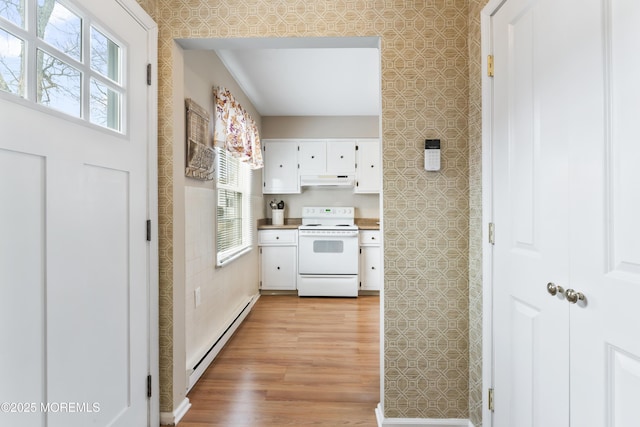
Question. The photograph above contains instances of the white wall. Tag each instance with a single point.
(223, 290)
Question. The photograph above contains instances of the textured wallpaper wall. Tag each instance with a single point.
(425, 91)
(475, 213)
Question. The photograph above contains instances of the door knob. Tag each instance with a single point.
(573, 296)
(553, 289)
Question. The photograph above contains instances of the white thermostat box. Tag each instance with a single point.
(432, 154)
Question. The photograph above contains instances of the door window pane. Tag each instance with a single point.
(13, 11)
(11, 64)
(105, 106)
(58, 84)
(105, 56)
(60, 27)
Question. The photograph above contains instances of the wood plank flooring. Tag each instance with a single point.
(295, 362)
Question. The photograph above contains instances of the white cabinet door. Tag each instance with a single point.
(278, 267)
(313, 157)
(370, 270)
(280, 173)
(334, 157)
(368, 171)
(341, 156)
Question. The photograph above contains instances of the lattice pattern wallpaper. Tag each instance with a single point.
(425, 91)
(475, 213)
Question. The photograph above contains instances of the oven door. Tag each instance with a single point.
(324, 253)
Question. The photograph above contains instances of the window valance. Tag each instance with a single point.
(235, 130)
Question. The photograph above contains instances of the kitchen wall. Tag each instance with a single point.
(223, 290)
(425, 94)
(367, 205)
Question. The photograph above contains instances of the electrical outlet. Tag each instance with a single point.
(197, 296)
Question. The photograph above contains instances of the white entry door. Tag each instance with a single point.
(74, 200)
(566, 185)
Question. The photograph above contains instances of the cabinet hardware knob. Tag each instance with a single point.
(342, 157)
(373, 268)
(371, 165)
(280, 165)
(553, 289)
(277, 237)
(573, 296)
(313, 157)
(278, 268)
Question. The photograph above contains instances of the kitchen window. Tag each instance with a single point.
(234, 221)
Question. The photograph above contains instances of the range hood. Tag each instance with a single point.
(327, 180)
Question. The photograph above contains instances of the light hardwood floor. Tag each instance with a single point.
(295, 362)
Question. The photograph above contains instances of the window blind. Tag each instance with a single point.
(234, 231)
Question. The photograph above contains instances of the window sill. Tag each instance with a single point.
(232, 257)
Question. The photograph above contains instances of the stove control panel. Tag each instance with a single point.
(331, 212)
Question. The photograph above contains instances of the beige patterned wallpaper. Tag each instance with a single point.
(475, 214)
(425, 91)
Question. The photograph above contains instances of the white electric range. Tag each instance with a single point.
(328, 252)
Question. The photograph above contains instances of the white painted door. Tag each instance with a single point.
(74, 309)
(605, 234)
(531, 248)
(566, 204)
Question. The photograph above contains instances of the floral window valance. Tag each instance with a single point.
(235, 130)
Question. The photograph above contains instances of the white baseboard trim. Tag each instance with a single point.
(173, 418)
(420, 422)
(202, 366)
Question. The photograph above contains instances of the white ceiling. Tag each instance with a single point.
(303, 76)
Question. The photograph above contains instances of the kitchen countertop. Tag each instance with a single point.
(293, 223)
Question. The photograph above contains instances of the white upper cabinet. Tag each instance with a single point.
(336, 156)
(280, 173)
(341, 156)
(368, 166)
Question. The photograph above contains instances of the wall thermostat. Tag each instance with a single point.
(432, 154)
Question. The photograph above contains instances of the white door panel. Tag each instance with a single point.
(567, 200)
(73, 255)
(531, 250)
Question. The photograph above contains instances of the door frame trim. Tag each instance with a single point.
(142, 17)
(486, 37)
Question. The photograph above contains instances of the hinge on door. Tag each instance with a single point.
(492, 233)
(490, 400)
(148, 74)
(149, 386)
(490, 65)
(148, 230)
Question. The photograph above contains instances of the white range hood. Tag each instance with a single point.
(327, 180)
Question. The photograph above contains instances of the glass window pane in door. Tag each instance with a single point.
(11, 64)
(105, 56)
(60, 28)
(13, 11)
(105, 106)
(59, 85)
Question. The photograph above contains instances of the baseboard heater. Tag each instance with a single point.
(210, 355)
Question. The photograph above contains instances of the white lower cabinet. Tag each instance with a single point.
(370, 260)
(278, 259)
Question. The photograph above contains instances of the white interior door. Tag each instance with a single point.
(531, 333)
(566, 208)
(605, 328)
(74, 310)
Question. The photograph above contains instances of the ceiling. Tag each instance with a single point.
(328, 76)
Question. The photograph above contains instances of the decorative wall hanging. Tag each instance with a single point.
(199, 149)
(235, 130)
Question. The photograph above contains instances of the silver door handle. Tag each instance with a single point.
(554, 289)
(573, 296)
